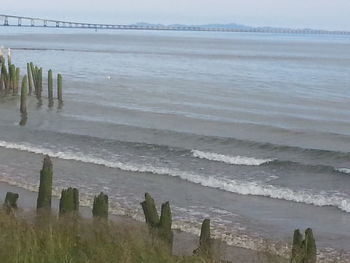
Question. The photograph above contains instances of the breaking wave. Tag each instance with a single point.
(235, 160)
(343, 170)
(230, 185)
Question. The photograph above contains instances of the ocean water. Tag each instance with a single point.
(250, 130)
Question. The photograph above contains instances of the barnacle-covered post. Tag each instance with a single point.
(24, 92)
(45, 188)
(69, 202)
(100, 206)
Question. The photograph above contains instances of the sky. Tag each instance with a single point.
(318, 14)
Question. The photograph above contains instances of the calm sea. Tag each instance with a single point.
(251, 130)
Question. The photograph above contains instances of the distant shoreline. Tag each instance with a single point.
(32, 22)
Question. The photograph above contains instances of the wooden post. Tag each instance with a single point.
(69, 202)
(34, 77)
(12, 73)
(5, 77)
(303, 250)
(11, 201)
(17, 80)
(50, 87)
(40, 82)
(165, 223)
(59, 88)
(100, 206)
(310, 247)
(45, 188)
(150, 211)
(24, 92)
(205, 241)
(297, 251)
(30, 79)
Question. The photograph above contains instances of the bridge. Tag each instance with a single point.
(22, 21)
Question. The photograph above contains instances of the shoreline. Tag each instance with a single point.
(184, 243)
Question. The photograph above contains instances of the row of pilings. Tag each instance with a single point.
(12, 83)
(160, 227)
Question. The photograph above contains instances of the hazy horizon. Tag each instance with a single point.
(322, 14)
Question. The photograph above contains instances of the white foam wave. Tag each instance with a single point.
(230, 185)
(235, 160)
(343, 170)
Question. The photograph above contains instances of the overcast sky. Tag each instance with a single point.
(325, 14)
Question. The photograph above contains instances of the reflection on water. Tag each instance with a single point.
(24, 118)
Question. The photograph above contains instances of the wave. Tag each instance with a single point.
(229, 185)
(235, 160)
(343, 170)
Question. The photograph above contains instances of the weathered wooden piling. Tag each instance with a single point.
(36, 73)
(12, 79)
(150, 211)
(24, 92)
(69, 202)
(45, 188)
(5, 77)
(17, 80)
(30, 79)
(2, 86)
(10, 203)
(205, 241)
(100, 206)
(297, 249)
(158, 226)
(9, 57)
(165, 232)
(50, 87)
(303, 250)
(59, 88)
(40, 81)
(34, 77)
(310, 247)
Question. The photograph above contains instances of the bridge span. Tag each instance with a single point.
(22, 21)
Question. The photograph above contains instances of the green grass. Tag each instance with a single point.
(42, 240)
